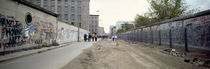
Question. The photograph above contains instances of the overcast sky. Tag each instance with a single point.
(111, 11)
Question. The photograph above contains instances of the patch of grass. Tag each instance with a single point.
(45, 44)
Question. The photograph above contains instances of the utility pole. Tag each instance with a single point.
(78, 33)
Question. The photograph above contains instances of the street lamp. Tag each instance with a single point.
(78, 32)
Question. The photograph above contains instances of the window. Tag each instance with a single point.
(59, 9)
(66, 2)
(72, 17)
(53, 8)
(38, 2)
(59, 17)
(59, 2)
(31, 1)
(45, 1)
(66, 8)
(72, 2)
(79, 2)
(45, 7)
(52, 2)
(66, 17)
(79, 9)
(72, 9)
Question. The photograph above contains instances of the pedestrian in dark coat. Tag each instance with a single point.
(85, 37)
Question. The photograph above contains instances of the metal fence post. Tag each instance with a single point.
(159, 37)
(186, 40)
(141, 35)
(152, 36)
(170, 39)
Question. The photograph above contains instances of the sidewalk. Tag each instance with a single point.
(20, 54)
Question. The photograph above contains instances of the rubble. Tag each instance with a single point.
(174, 53)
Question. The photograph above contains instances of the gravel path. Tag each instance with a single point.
(106, 55)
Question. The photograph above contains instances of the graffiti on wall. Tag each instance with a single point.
(177, 32)
(199, 29)
(45, 31)
(14, 34)
(66, 35)
(198, 33)
(10, 32)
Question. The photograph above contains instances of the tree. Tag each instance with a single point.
(120, 31)
(144, 20)
(125, 27)
(166, 9)
(162, 10)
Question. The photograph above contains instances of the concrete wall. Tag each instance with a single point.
(192, 31)
(16, 34)
(68, 33)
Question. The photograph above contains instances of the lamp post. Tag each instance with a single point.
(78, 32)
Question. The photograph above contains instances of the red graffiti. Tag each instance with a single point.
(47, 27)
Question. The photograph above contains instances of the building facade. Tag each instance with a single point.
(101, 31)
(75, 12)
(93, 23)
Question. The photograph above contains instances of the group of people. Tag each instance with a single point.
(114, 38)
(88, 37)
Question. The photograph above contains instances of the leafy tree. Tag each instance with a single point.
(120, 31)
(162, 10)
(166, 9)
(144, 20)
(125, 27)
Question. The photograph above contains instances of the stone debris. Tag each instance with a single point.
(195, 61)
(174, 53)
(198, 62)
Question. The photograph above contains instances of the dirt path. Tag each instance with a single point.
(106, 55)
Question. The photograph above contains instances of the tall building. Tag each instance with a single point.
(93, 23)
(75, 12)
(120, 23)
(101, 31)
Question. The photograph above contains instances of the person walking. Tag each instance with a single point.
(89, 37)
(85, 37)
(95, 36)
(113, 38)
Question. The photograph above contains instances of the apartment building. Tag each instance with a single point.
(93, 23)
(75, 12)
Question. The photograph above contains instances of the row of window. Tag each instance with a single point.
(72, 9)
(94, 18)
(72, 17)
(67, 2)
(58, 2)
(59, 8)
